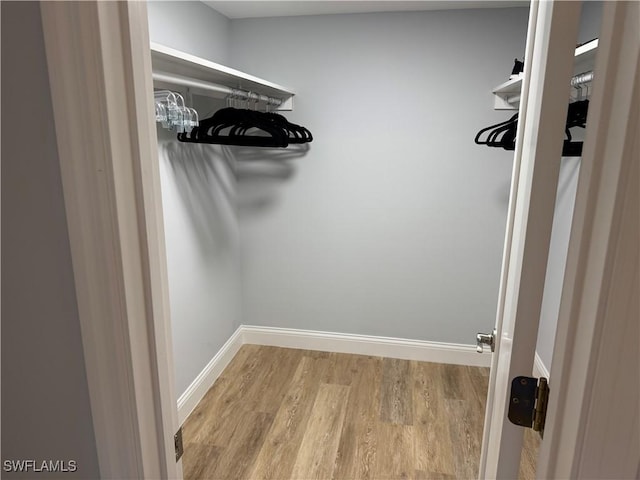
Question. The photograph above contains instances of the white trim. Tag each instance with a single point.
(400, 348)
(592, 418)
(205, 380)
(539, 368)
(100, 79)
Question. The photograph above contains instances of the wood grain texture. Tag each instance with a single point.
(205, 426)
(479, 383)
(529, 456)
(341, 369)
(317, 453)
(358, 445)
(199, 460)
(433, 449)
(278, 366)
(279, 413)
(453, 382)
(283, 440)
(465, 428)
(396, 399)
(422, 475)
(243, 447)
(395, 460)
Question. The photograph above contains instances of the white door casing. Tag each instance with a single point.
(100, 76)
(593, 421)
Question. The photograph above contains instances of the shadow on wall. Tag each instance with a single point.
(260, 174)
(217, 183)
(206, 183)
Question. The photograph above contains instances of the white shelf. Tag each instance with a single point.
(585, 57)
(507, 95)
(205, 77)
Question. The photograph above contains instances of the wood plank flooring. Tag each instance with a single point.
(278, 413)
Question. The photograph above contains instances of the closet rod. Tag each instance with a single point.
(213, 87)
(582, 78)
(576, 80)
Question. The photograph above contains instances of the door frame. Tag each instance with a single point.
(100, 76)
(102, 93)
(590, 391)
(599, 303)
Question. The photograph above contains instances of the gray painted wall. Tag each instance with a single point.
(393, 222)
(366, 233)
(190, 27)
(202, 238)
(590, 19)
(565, 200)
(45, 401)
(198, 197)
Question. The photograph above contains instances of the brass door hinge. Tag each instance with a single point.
(528, 402)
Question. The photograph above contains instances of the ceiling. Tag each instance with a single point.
(270, 8)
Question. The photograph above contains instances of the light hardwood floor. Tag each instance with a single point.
(278, 413)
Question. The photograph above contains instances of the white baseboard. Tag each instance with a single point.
(400, 348)
(207, 377)
(539, 368)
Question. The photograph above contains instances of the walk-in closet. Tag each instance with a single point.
(320, 239)
(326, 288)
(382, 236)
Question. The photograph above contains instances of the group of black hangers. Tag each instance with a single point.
(247, 128)
(504, 134)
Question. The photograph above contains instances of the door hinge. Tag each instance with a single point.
(177, 441)
(528, 402)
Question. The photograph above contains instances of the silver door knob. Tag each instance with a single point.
(488, 339)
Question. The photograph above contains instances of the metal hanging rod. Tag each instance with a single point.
(213, 87)
(582, 78)
(575, 81)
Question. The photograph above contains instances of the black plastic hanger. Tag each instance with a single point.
(295, 133)
(503, 135)
(242, 127)
(494, 139)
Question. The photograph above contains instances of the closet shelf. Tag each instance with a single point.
(175, 68)
(507, 94)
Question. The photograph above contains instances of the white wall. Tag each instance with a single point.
(393, 223)
(45, 399)
(190, 27)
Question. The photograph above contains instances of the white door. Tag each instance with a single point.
(548, 69)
